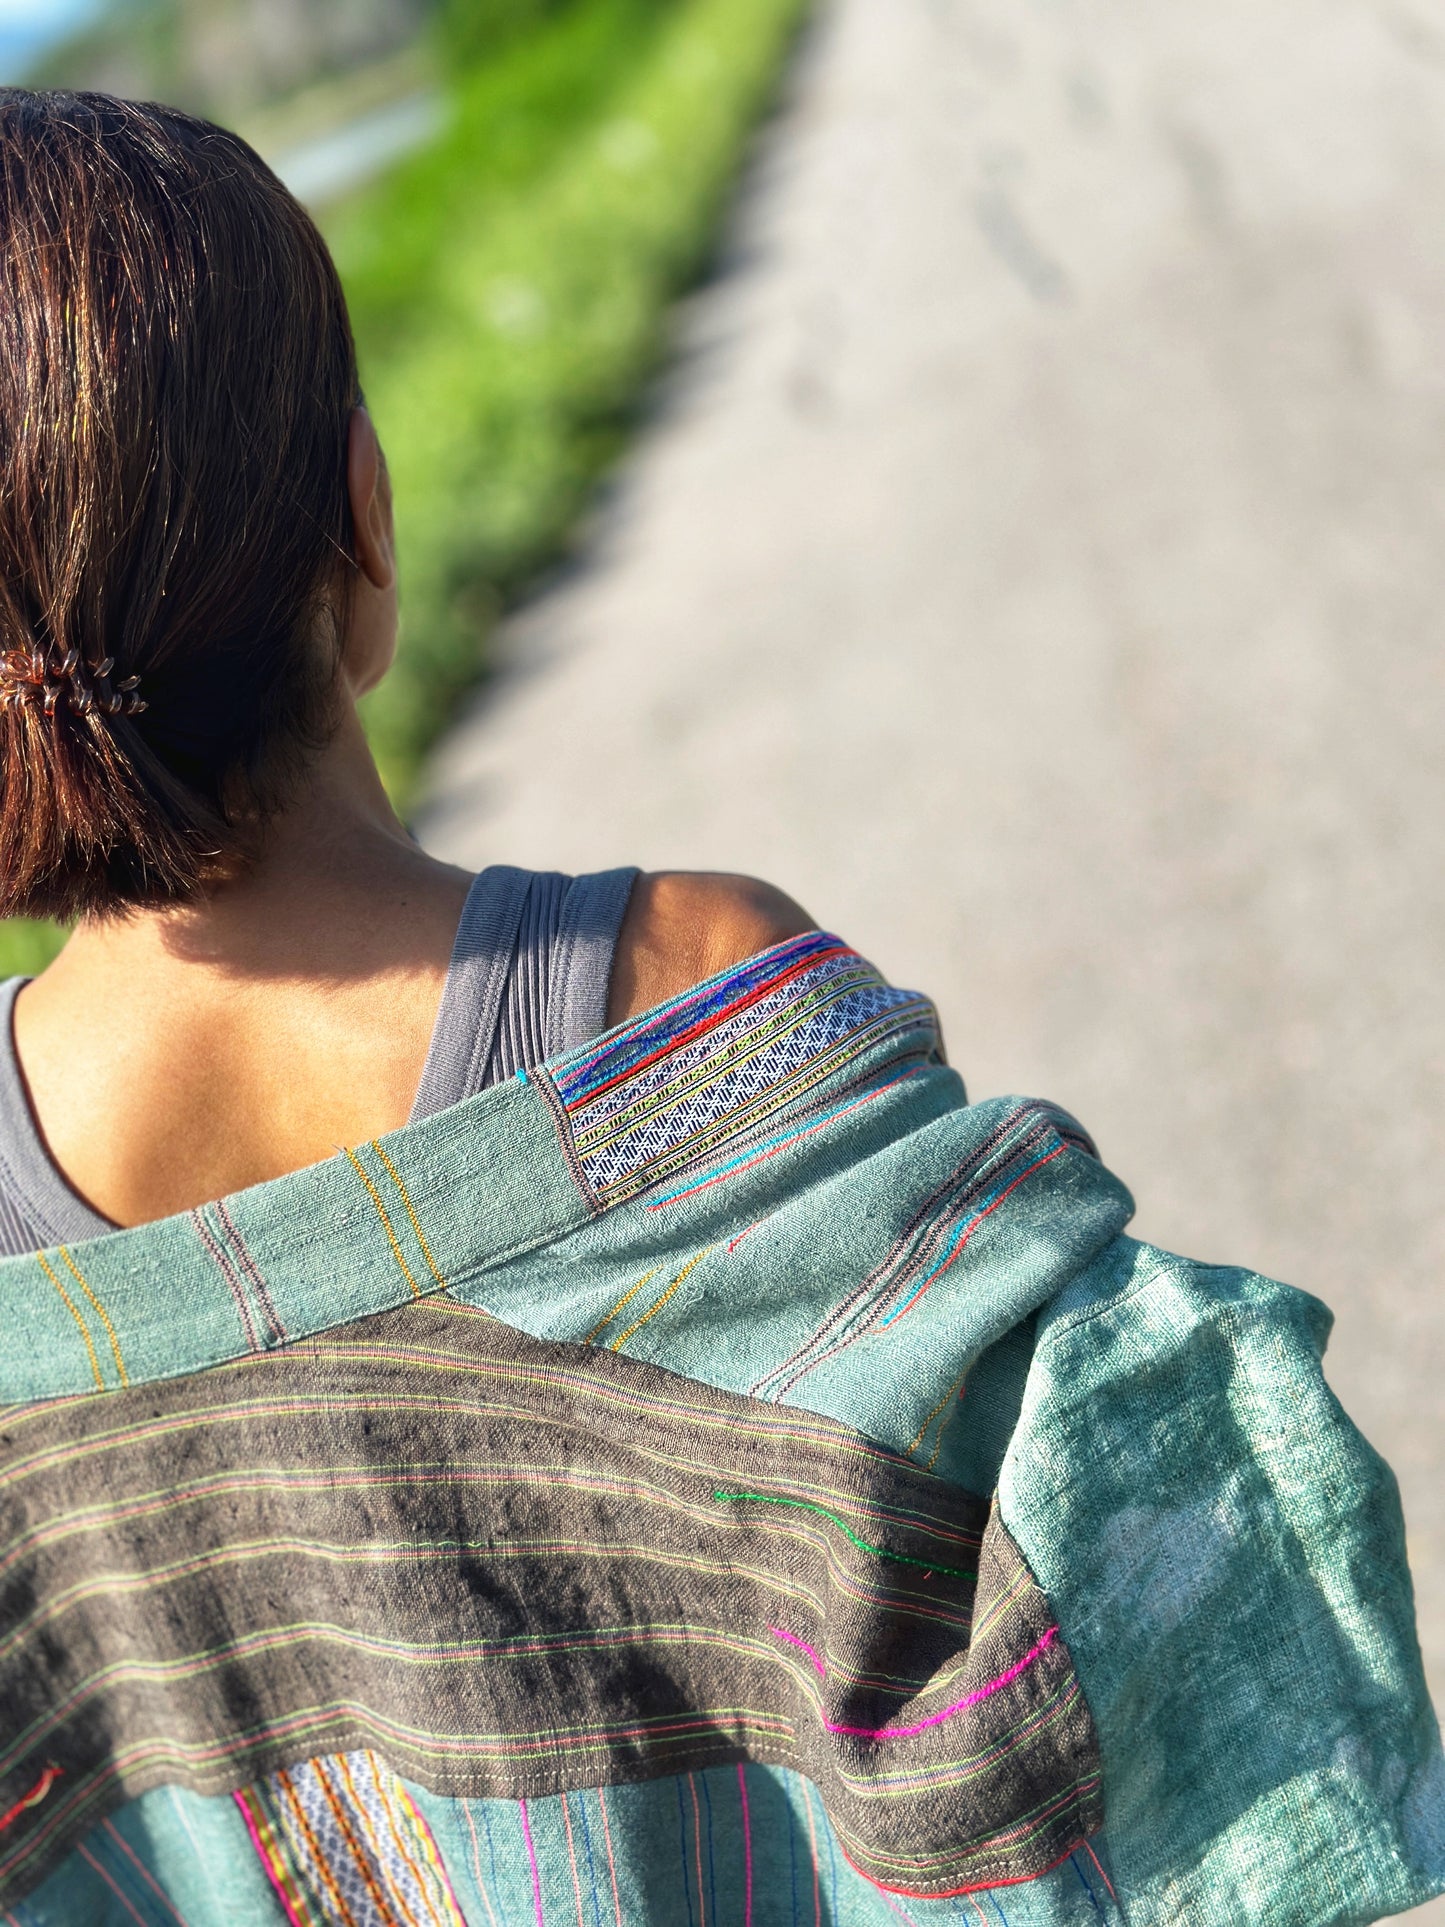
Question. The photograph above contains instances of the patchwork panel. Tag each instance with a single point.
(344, 1846)
(1029, 1136)
(511, 1568)
(717, 1066)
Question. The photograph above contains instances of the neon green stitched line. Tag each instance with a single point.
(879, 1552)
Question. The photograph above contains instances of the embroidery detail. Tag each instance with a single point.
(216, 1253)
(493, 1468)
(819, 1664)
(623, 1302)
(81, 1325)
(691, 1266)
(101, 1311)
(1029, 1136)
(344, 1846)
(32, 1799)
(975, 1698)
(252, 1270)
(391, 1238)
(951, 1400)
(863, 1545)
(719, 1064)
(772, 1146)
(395, 1177)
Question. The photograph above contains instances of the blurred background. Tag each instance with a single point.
(980, 463)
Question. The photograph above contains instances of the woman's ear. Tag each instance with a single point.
(369, 487)
(370, 642)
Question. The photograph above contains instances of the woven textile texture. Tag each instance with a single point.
(520, 1567)
(721, 1476)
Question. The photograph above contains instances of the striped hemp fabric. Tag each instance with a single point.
(721, 1476)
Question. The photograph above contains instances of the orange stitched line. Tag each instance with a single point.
(358, 1852)
(572, 1856)
(270, 1845)
(104, 1314)
(359, 1808)
(396, 1250)
(398, 1833)
(80, 1322)
(652, 1313)
(429, 1846)
(623, 1302)
(920, 1434)
(938, 1442)
(313, 1846)
(415, 1220)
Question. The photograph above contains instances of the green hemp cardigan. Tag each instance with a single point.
(722, 1476)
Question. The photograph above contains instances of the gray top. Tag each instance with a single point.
(528, 978)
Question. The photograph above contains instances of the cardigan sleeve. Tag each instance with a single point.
(1225, 1555)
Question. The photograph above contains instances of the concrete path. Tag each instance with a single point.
(1037, 565)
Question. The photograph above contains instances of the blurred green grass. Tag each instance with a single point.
(509, 288)
(510, 294)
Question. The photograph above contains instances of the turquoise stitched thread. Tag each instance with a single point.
(760, 1153)
(878, 1552)
(965, 1232)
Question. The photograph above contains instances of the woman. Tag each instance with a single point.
(678, 1461)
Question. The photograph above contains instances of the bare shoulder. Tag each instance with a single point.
(684, 925)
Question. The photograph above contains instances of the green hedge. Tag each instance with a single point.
(509, 289)
(540, 306)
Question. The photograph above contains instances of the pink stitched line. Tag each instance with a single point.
(793, 1640)
(743, 1234)
(89, 1858)
(611, 1863)
(894, 1908)
(265, 1858)
(536, 1870)
(988, 1211)
(1102, 1875)
(141, 1868)
(937, 1719)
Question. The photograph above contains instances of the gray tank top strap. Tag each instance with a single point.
(37, 1206)
(529, 975)
(528, 978)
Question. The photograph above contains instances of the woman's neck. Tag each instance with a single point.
(173, 1055)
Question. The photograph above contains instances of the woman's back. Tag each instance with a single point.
(583, 1419)
(530, 968)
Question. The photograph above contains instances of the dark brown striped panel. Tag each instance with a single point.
(513, 1568)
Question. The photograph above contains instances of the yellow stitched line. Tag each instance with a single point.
(690, 1266)
(932, 1459)
(623, 1302)
(421, 1831)
(922, 1433)
(84, 1329)
(395, 1176)
(396, 1250)
(104, 1315)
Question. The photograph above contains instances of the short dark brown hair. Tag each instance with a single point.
(177, 375)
